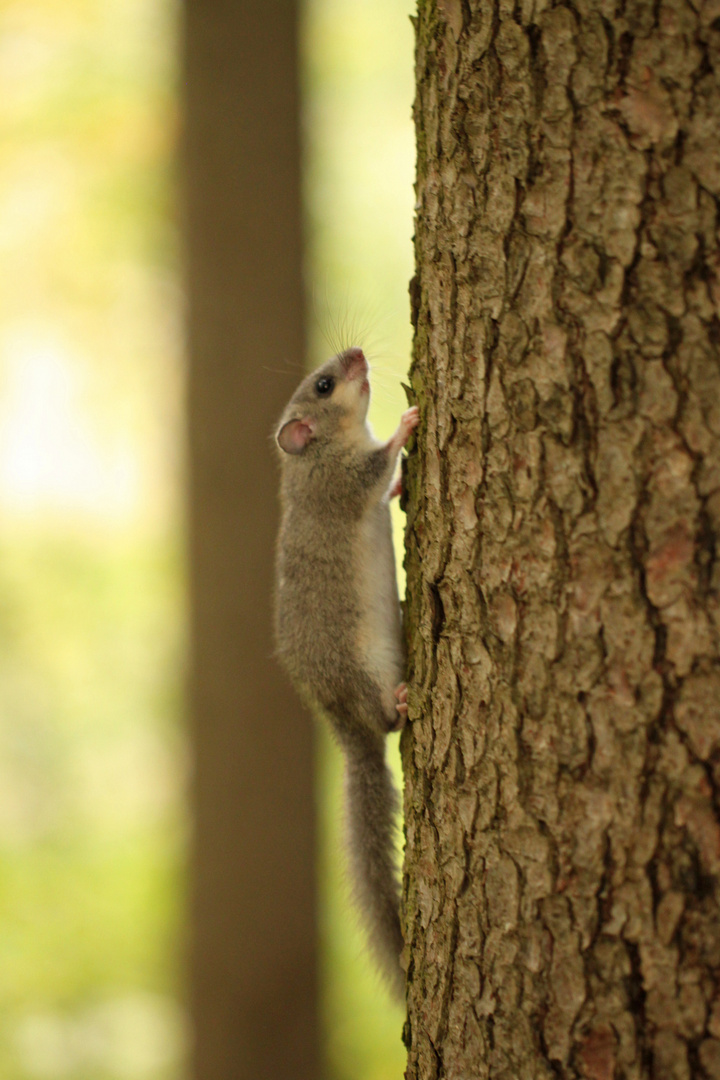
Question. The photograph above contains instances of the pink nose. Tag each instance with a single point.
(355, 363)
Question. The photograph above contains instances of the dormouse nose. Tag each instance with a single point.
(354, 362)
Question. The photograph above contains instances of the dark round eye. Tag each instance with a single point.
(325, 385)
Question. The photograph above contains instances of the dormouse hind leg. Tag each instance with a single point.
(400, 693)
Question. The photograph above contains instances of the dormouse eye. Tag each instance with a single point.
(325, 385)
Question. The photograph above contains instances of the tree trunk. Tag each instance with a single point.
(563, 760)
(252, 966)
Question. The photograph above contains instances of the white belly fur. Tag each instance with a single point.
(379, 640)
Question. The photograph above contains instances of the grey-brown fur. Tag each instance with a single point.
(337, 612)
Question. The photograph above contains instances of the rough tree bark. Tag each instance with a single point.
(563, 760)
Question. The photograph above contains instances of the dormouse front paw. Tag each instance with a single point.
(408, 422)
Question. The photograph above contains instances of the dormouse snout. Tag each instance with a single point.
(355, 364)
(356, 368)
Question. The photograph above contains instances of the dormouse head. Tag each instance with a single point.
(331, 403)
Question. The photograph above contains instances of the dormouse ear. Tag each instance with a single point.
(294, 436)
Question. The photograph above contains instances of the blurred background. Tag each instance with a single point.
(93, 756)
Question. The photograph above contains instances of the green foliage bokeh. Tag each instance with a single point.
(93, 759)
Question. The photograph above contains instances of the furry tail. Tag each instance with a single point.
(371, 805)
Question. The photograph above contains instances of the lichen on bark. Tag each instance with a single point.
(562, 875)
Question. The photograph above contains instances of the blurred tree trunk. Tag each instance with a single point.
(563, 763)
(252, 964)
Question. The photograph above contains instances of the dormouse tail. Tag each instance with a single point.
(371, 804)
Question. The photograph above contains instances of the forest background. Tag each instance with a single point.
(94, 763)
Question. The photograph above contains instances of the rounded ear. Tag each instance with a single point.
(294, 436)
